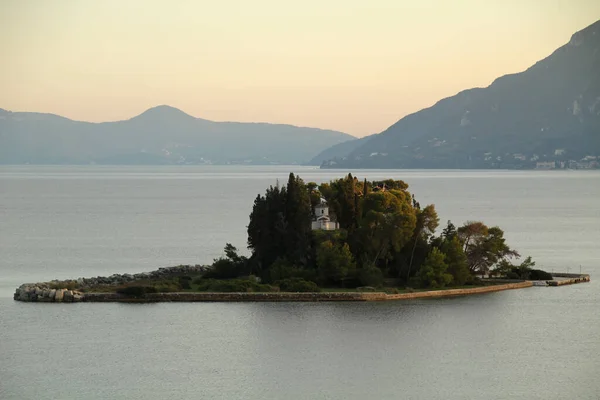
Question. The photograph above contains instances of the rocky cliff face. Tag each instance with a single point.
(550, 112)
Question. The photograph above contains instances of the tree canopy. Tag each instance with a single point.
(383, 234)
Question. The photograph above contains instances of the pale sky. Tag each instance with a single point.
(354, 66)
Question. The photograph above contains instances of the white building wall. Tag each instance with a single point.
(324, 225)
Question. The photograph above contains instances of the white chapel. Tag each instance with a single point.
(322, 220)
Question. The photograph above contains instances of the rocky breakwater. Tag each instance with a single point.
(69, 291)
(161, 273)
(44, 293)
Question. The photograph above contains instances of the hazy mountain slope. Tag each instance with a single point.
(552, 107)
(160, 135)
(338, 150)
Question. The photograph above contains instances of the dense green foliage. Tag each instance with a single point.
(539, 275)
(233, 285)
(334, 262)
(137, 290)
(384, 238)
(433, 271)
(228, 267)
(297, 285)
(523, 271)
(456, 260)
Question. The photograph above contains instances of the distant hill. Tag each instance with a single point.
(160, 135)
(550, 112)
(338, 150)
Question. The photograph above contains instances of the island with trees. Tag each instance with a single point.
(383, 238)
(340, 237)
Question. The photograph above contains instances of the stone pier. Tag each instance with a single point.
(49, 293)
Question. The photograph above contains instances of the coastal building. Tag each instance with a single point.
(322, 220)
(545, 165)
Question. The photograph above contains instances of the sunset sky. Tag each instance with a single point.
(354, 66)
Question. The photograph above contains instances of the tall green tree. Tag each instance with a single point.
(267, 228)
(456, 260)
(231, 266)
(509, 270)
(427, 222)
(298, 215)
(433, 273)
(391, 184)
(279, 226)
(449, 231)
(334, 262)
(314, 194)
(388, 225)
(483, 246)
(342, 195)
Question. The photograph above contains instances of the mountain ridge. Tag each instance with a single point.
(520, 119)
(159, 135)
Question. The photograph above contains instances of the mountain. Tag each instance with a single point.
(550, 112)
(338, 150)
(160, 135)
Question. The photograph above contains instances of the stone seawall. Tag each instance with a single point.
(569, 279)
(459, 292)
(44, 292)
(292, 297)
(303, 297)
(236, 297)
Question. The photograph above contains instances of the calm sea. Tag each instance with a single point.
(68, 222)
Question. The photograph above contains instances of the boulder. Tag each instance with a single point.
(60, 294)
(52, 294)
(68, 296)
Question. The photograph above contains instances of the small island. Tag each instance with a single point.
(345, 240)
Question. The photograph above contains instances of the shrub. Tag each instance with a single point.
(433, 273)
(334, 262)
(513, 275)
(351, 282)
(167, 287)
(366, 289)
(184, 282)
(231, 266)
(539, 275)
(370, 276)
(297, 285)
(282, 269)
(199, 280)
(223, 269)
(232, 285)
(473, 280)
(137, 290)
